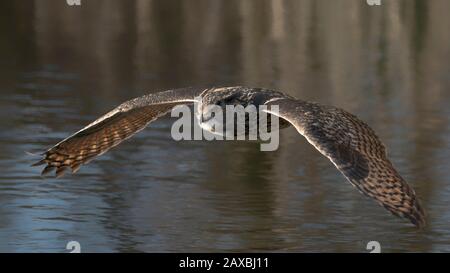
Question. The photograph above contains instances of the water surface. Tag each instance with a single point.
(61, 67)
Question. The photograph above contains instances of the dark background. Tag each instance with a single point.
(61, 67)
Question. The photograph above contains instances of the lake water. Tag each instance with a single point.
(61, 67)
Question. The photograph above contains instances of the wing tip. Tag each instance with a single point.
(418, 215)
(39, 163)
(56, 166)
(412, 212)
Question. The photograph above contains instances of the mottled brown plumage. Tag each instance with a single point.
(111, 129)
(349, 143)
(356, 151)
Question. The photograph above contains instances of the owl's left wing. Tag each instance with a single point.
(356, 151)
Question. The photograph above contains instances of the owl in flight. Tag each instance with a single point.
(349, 143)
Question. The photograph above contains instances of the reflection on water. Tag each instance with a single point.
(61, 67)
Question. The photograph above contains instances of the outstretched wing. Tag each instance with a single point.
(356, 151)
(111, 129)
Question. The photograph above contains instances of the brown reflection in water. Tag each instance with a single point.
(388, 64)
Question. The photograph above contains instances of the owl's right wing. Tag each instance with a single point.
(112, 128)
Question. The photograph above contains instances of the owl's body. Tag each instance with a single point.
(350, 144)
